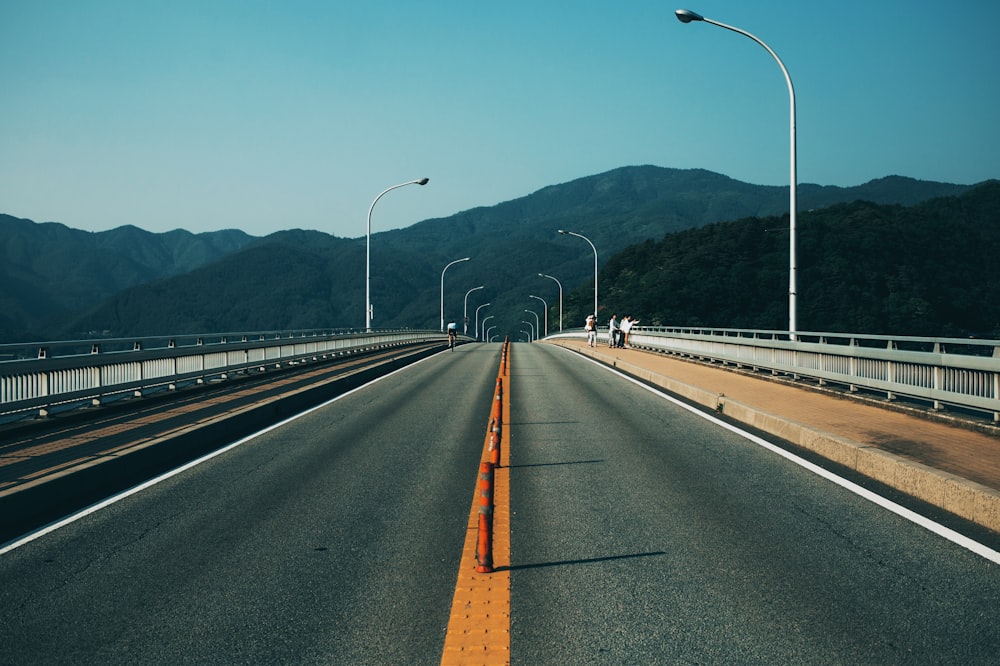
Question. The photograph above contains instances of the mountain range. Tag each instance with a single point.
(63, 283)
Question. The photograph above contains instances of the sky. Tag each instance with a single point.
(296, 114)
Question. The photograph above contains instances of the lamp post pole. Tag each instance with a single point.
(538, 323)
(573, 233)
(442, 287)
(545, 309)
(368, 249)
(560, 297)
(477, 318)
(531, 337)
(486, 335)
(687, 16)
(486, 319)
(465, 310)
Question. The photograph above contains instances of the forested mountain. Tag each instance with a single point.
(930, 269)
(50, 270)
(76, 284)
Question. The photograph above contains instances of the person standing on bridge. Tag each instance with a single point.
(613, 331)
(591, 327)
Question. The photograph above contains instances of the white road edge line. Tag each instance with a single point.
(912, 516)
(93, 508)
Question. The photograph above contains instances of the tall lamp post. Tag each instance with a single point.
(538, 324)
(573, 233)
(686, 16)
(465, 310)
(560, 296)
(486, 319)
(442, 287)
(368, 249)
(545, 309)
(531, 337)
(477, 318)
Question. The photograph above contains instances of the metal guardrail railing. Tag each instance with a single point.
(37, 377)
(942, 371)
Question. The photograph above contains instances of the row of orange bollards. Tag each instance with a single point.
(484, 544)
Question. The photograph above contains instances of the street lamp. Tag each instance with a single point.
(465, 310)
(486, 319)
(368, 249)
(532, 337)
(686, 16)
(477, 318)
(538, 324)
(571, 233)
(545, 309)
(560, 296)
(442, 287)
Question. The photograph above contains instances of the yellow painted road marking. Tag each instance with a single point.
(479, 625)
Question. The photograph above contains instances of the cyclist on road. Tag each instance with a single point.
(452, 335)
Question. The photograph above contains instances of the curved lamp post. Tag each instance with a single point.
(531, 337)
(486, 319)
(465, 310)
(573, 233)
(687, 16)
(538, 324)
(560, 296)
(545, 309)
(477, 318)
(368, 249)
(442, 287)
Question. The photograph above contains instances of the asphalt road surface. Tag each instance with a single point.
(640, 534)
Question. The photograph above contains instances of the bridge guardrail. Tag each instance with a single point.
(42, 376)
(942, 371)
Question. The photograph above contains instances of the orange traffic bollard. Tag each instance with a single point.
(495, 448)
(484, 547)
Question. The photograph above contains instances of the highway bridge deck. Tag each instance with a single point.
(640, 532)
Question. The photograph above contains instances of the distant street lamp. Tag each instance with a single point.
(571, 233)
(368, 249)
(560, 296)
(486, 319)
(686, 16)
(538, 325)
(465, 310)
(442, 287)
(486, 335)
(545, 309)
(476, 331)
(532, 337)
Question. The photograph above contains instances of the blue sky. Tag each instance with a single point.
(265, 116)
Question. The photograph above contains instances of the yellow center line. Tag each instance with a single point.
(479, 624)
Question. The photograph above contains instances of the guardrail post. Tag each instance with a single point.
(484, 545)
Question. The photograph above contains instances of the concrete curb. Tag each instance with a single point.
(966, 499)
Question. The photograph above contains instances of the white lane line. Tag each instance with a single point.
(912, 516)
(93, 508)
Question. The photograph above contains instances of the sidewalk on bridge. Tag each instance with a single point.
(953, 465)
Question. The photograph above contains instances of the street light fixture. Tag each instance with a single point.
(538, 324)
(442, 287)
(573, 233)
(545, 309)
(368, 249)
(476, 331)
(465, 310)
(560, 297)
(486, 319)
(687, 16)
(532, 337)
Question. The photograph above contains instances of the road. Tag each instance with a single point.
(640, 533)
(643, 534)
